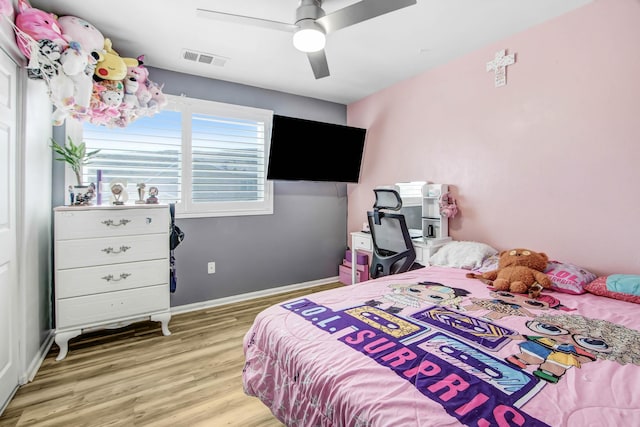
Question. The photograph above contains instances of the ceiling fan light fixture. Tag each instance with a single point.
(309, 37)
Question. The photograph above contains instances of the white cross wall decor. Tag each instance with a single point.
(499, 66)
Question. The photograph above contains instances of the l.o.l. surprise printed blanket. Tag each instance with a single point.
(431, 347)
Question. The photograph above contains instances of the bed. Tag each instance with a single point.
(431, 347)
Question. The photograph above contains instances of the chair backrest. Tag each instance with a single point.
(393, 250)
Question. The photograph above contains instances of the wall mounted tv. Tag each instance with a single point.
(306, 150)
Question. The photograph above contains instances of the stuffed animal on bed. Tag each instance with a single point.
(520, 271)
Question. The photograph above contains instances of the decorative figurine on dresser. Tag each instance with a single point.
(118, 192)
(153, 196)
(141, 186)
(111, 268)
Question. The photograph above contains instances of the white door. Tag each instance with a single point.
(8, 261)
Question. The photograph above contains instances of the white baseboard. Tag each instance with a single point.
(250, 295)
(37, 360)
(3, 405)
(30, 372)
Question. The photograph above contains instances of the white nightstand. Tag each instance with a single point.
(425, 248)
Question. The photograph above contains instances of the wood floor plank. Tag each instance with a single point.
(135, 376)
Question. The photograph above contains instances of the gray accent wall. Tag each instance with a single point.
(304, 239)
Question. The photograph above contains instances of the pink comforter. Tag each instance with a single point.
(431, 347)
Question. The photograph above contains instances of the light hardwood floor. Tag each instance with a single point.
(135, 376)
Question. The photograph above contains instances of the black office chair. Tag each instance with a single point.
(393, 250)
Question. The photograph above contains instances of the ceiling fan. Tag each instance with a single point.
(312, 24)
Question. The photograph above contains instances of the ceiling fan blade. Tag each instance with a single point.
(319, 65)
(361, 11)
(246, 20)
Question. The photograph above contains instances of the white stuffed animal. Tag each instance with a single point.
(130, 88)
(74, 64)
(71, 88)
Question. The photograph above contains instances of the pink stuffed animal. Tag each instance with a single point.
(144, 96)
(35, 25)
(141, 75)
(6, 9)
(139, 71)
(88, 39)
(158, 100)
(100, 113)
(74, 29)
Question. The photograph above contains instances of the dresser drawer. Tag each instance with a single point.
(362, 242)
(85, 310)
(81, 224)
(110, 278)
(112, 250)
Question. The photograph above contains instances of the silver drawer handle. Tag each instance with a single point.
(110, 277)
(110, 223)
(110, 250)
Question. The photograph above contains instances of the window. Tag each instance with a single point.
(410, 192)
(207, 157)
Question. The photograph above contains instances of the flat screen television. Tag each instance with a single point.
(306, 150)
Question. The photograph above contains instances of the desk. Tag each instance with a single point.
(361, 241)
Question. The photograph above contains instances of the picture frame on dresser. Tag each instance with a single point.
(111, 268)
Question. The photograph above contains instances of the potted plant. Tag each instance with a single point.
(76, 156)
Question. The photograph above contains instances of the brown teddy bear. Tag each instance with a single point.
(520, 271)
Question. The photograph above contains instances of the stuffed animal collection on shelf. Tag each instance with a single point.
(87, 79)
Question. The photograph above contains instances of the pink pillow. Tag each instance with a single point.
(599, 287)
(568, 278)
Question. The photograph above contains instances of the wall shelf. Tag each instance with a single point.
(426, 197)
(434, 225)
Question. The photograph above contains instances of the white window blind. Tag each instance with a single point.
(148, 151)
(207, 157)
(228, 159)
(410, 192)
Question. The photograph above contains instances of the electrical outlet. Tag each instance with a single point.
(211, 267)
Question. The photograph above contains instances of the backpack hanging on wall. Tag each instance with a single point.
(177, 235)
(175, 238)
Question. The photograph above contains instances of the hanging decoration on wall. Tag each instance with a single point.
(448, 205)
(87, 79)
(499, 66)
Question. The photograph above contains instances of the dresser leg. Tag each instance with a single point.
(62, 339)
(163, 318)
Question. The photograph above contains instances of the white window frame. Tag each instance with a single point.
(185, 208)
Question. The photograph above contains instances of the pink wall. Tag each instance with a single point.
(551, 161)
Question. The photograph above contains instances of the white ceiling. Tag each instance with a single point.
(363, 58)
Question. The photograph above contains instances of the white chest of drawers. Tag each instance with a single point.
(111, 268)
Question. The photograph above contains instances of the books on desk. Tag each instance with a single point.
(415, 233)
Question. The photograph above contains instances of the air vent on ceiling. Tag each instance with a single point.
(204, 58)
